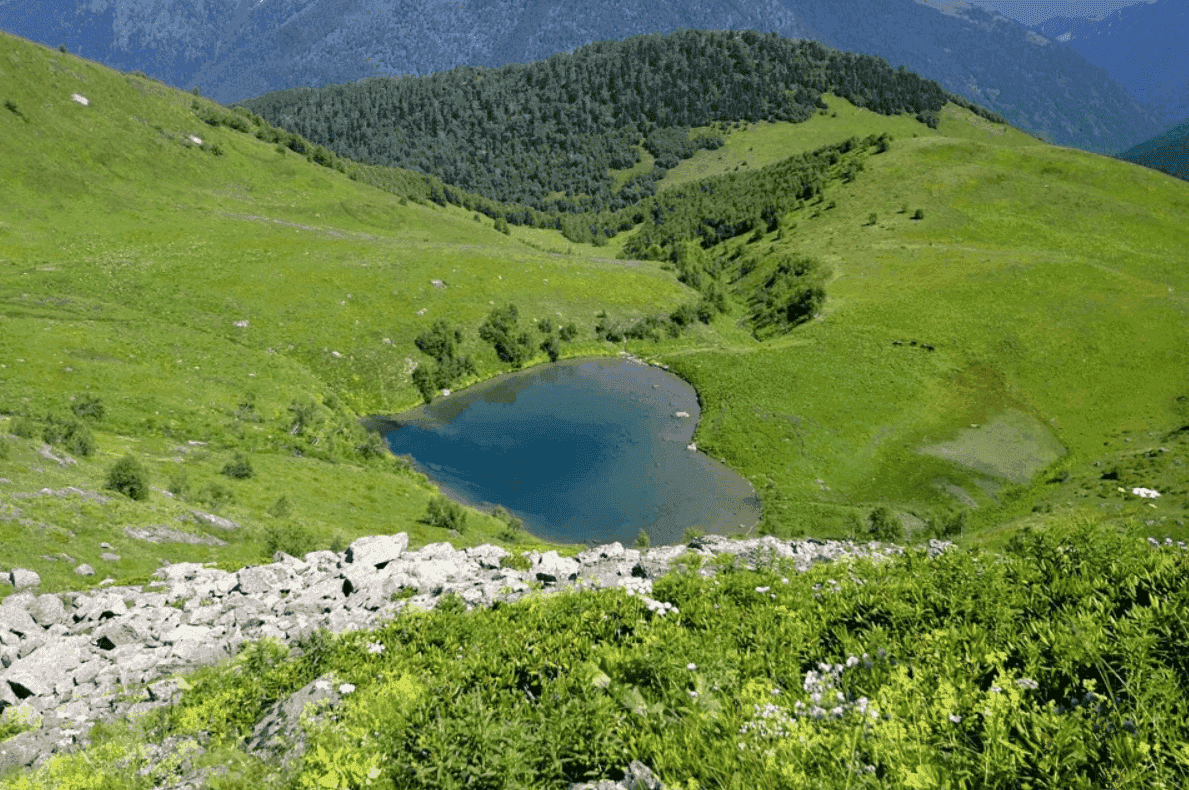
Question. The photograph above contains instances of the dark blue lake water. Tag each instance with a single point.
(584, 451)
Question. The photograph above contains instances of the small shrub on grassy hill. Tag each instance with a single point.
(293, 539)
(511, 521)
(551, 347)
(642, 540)
(179, 484)
(129, 478)
(545, 326)
(882, 524)
(215, 496)
(502, 330)
(75, 436)
(423, 380)
(445, 514)
(24, 426)
(568, 332)
(918, 214)
(872, 218)
(305, 417)
(282, 508)
(685, 315)
(371, 445)
(89, 407)
(516, 562)
(239, 467)
(338, 543)
(3, 449)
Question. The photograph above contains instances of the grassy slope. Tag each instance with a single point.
(1048, 280)
(127, 257)
(122, 275)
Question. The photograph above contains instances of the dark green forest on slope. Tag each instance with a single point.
(545, 135)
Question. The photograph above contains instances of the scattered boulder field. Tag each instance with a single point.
(73, 659)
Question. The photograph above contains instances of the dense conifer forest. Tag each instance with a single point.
(546, 135)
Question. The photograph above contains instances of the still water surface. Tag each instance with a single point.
(584, 451)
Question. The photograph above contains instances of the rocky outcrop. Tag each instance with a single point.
(68, 659)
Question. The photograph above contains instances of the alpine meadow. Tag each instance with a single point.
(907, 322)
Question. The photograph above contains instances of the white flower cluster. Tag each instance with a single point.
(634, 585)
(1145, 493)
(1167, 542)
(821, 688)
(772, 721)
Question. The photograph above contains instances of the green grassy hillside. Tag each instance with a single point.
(202, 292)
(1003, 333)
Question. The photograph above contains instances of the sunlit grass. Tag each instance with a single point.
(1053, 665)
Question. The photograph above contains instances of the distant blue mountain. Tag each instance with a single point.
(1144, 47)
(236, 49)
(1167, 152)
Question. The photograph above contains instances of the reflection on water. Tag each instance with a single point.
(582, 451)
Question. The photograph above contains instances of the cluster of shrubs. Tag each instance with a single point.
(73, 434)
(441, 342)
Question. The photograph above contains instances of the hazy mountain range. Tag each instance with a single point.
(235, 49)
(1145, 47)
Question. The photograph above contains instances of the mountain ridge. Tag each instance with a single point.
(286, 43)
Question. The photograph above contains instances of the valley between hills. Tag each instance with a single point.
(953, 330)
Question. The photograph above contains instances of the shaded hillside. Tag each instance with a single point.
(1168, 152)
(233, 49)
(1144, 47)
(547, 134)
(993, 61)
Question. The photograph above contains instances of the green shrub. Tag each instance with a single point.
(516, 562)
(423, 380)
(446, 514)
(179, 484)
(872, 218)
(75, 436)
(918, 214)
(691, 534)
(514, 524)
(282, 508)
(239, 468)
(882, 524)
(371, 445)
(216, 496)
(338, 543)
(545, 326)
(88, 407)
(129, 478)
(568, 332)
(24, 426)
(293, 539)
(451, 603)
(551, 347)
(3, 450)
(501, 329)
(642, 540)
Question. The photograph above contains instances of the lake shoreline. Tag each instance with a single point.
(718, 473)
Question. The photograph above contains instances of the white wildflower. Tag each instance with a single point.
(955, 718)
(375, 647)
(1145, 493)
(691, 666)
(346, 688)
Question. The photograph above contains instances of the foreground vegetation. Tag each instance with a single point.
(1057, 664)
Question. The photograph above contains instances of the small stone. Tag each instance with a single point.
(84, 570)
